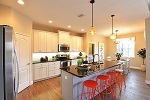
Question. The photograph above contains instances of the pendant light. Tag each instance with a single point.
(92, 30)
(112, 36)
(116, 41)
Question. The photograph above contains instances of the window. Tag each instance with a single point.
(126, 46)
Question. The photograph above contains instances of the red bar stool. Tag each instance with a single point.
(90, 85)
(121, 75)
(115, 80)
(104, 86)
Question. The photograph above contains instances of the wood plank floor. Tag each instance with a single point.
(51, 89)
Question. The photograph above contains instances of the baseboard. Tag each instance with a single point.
(133, 67)
(147, 82)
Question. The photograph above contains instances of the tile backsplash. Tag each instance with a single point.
(37, 56)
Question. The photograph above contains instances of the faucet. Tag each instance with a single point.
(94, 57)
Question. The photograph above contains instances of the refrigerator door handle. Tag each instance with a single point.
(18, 77)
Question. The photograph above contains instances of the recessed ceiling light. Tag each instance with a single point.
(21, 2)
(82, 29)
(69, 26)
(50, 21)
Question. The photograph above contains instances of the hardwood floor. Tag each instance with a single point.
(51, 89)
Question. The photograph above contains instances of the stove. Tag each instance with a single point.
(64, 61)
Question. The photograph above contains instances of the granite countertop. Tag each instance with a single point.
(82, 72)
(35, 62)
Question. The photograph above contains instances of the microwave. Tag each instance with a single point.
(63, 48)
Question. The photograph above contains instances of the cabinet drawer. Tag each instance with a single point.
(41, 64)
(56, 63)
(54, 72)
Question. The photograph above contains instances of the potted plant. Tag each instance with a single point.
(142, 54)
(118, 55)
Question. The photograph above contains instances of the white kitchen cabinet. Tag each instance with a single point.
(79, 44)
(40, 71)
(39, 41)
(63, 37)
(54, 68)
(52, 42)
(76, 43)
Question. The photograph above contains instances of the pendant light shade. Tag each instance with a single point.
(112, 36)
(92, 30)
(116, 41)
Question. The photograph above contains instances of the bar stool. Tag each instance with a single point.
(104, 86)
(90, 85)
(115, 80)
(121, 75)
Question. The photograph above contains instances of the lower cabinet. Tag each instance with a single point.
(40, 71)
(46, 70)
(54, 68)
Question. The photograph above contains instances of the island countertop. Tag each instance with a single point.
(79, 71)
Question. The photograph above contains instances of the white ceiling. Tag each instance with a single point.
(129, 14)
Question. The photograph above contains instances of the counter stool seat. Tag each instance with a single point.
(121, 75)
(91, 86)
(104, 86)
(115, 80)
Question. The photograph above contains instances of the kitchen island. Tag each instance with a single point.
(72, 77)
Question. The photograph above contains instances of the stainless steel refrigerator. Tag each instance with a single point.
(9, 69)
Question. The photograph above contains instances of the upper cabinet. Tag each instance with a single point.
(63, 37)
(39, 41)
(52, 42)
(45, 41)
(76, 43)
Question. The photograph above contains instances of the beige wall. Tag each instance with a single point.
(139, 43)
(5, 15)
(19, 22)
(147, 31)
(94, 39)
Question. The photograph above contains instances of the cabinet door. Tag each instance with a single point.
(71, 42)
(79, 44)
(54, 42)
(37, 71)
(36, 41)
(66, 38)
(48, 42)
(44, 72)
(42, 41)
(57, 72)
(74, 43)
(63, 37)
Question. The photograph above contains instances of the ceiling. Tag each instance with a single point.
(129, 16)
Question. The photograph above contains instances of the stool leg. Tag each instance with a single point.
(82, 92)
(124, 81)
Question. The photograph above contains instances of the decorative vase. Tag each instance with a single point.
(118, 58)
(143, 67)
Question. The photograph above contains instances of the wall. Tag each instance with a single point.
(147, 31)
(54, 29)
(139, 43)
(88, 38)
(5, 15)
(19, 22)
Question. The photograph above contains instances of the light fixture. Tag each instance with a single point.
(116, 41)
(112, 36)
(69, 26)
(50, 21)
(21, 2)
(92, 30)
